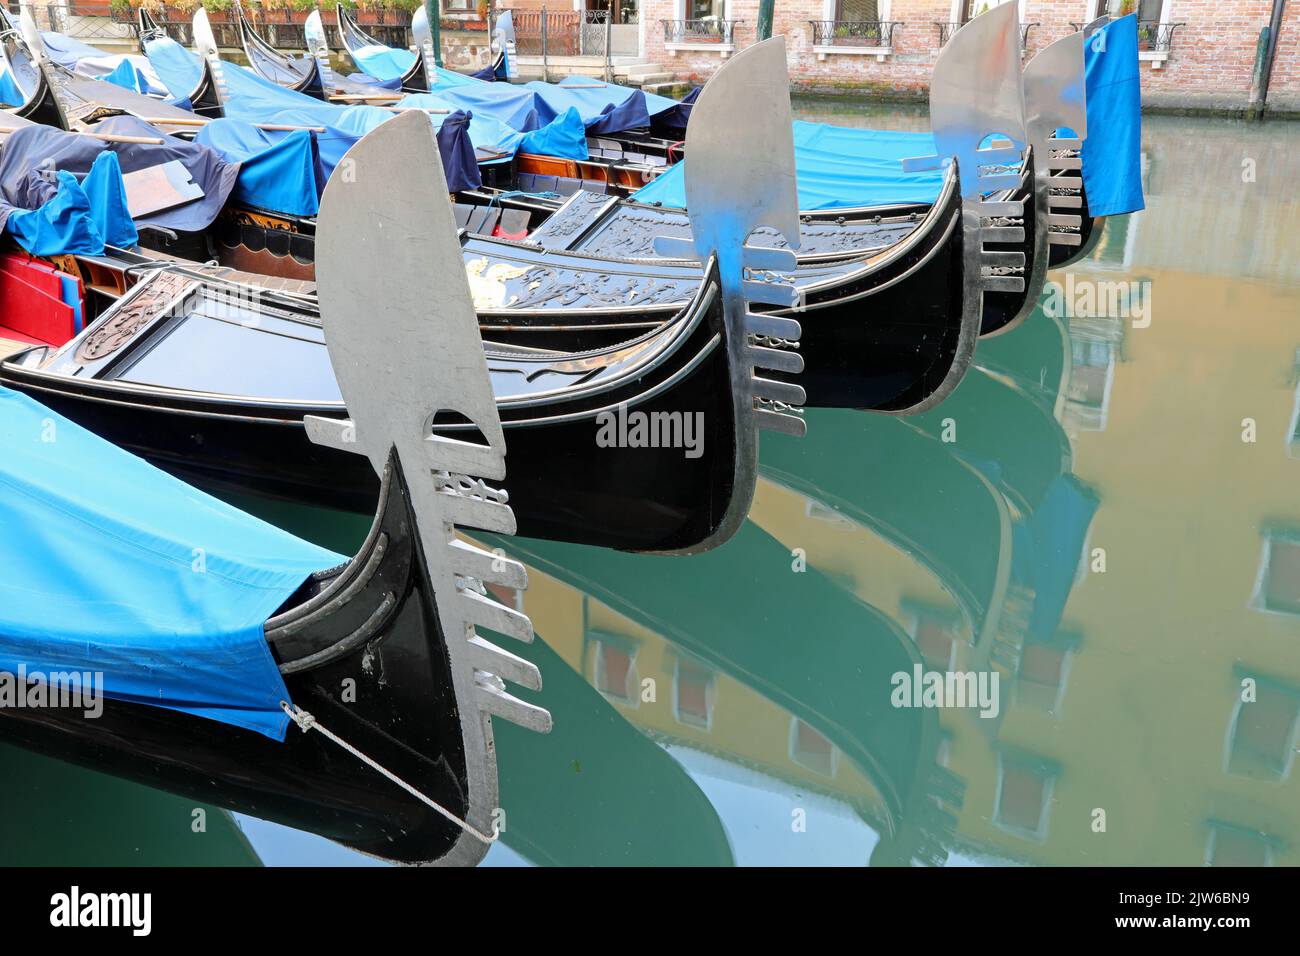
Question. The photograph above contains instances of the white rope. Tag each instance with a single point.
(308, 722)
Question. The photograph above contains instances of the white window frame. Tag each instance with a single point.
(883, 9)
(1231, 735)
(1156, 58)
(794, 753)
(722, 49)
(710, 698)
(1257, 599)
(1044, 813)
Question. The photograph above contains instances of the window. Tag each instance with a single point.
(808, 748)
(1231, 845)
(1044, 667)
(936, 641)
(1024, 791)
(614, 668)
(693, 695)
(1278, 588)
(707, 10)
(856, 10)
(1262, 732)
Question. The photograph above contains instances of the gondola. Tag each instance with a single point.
(354, 39)
(309, 74)
(394, 621)
(892, 330)
(298, 73)
(205, 98)
(921, 269)
(149, 375)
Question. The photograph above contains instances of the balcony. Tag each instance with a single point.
(870, 37)
(717, 36)
(946, 30)
(1155, 39)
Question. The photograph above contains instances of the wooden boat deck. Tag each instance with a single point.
(272, 283)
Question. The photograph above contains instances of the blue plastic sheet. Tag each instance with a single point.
(104, 188)
(604, 107)
(512, 106)
(252, 99)
(1112, 169)
(125, 76)
(383, 62)
(566, 137)
(10, 93)
(131, 71)
(67, 216)
(277, 171)
(109, 566)
(671, 122)
(33, 146)
(836, 167)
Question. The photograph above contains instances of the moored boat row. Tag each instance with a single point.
(302, 355)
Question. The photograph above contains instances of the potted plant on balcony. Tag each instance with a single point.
(219, 11)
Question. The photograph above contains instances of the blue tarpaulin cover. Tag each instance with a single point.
(837, 167)
(277, 171)
(129, 70)
(256, 100)
(1112, 170)
(10, 94)
(108, 565)
(604, 107)
(36, 145)
(672, 121)
(383, 62)
(513, 106)
(64, 216)
(565, 137)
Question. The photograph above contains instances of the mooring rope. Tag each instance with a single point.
(307, 721)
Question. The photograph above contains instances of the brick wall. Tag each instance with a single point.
(1210, 65)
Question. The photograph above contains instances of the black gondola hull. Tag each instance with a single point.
(403, 714)
(566, 482)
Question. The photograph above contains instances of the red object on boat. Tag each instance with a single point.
(32, 309)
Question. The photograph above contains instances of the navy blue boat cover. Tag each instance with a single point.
(55, 208)
(33, 146)
(109, 566)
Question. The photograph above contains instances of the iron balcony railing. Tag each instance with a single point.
(875, 33)
(1153, 36)
(946, 30)
(1156, 36)
(700, 31)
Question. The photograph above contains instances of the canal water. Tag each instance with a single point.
(1106, 514)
